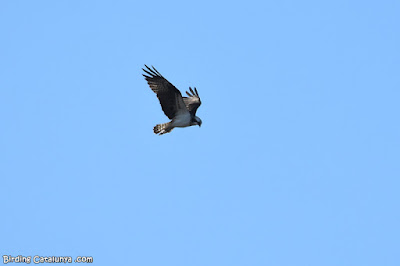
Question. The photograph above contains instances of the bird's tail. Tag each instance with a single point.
(162, 128)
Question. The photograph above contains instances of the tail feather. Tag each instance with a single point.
(162, 128)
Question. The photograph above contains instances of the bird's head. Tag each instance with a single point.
(196, 121)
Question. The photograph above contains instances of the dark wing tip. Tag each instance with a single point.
(152, 72)
(193, 93)
(156, 71)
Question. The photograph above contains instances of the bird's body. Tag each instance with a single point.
(181, 110)
(180, 120)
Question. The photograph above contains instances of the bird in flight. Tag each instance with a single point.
(181, 110)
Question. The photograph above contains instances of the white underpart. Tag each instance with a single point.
(181, 120)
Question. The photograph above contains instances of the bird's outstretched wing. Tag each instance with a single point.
(170, 97)
(193, 101)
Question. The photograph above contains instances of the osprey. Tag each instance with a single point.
(181, 110)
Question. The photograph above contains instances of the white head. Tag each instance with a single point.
(196, 121)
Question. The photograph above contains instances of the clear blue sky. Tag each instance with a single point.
(297, 161)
